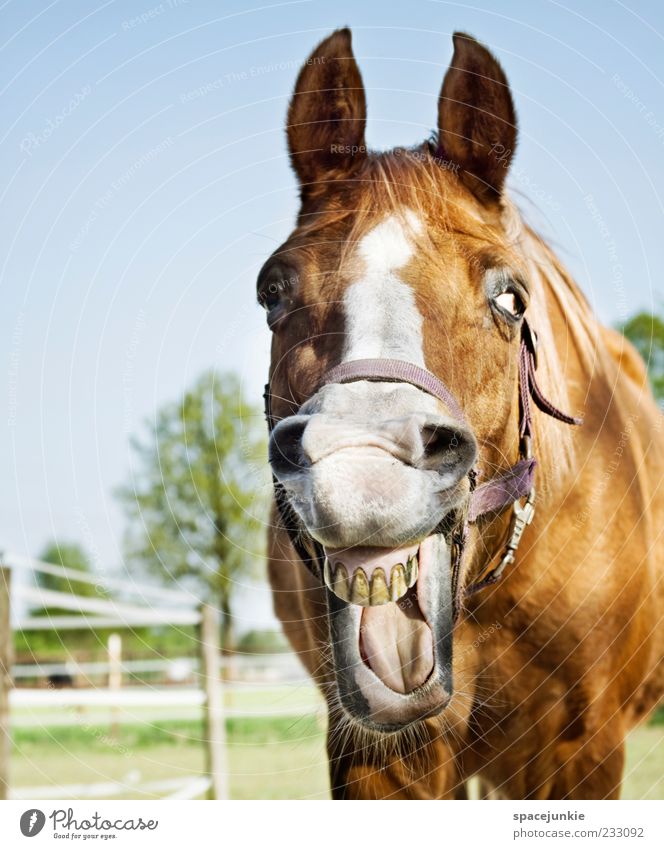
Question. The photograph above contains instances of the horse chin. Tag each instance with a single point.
(392, 658)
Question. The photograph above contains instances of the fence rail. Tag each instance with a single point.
(283, 667)
(125, 583)
(106, 697)
(180, 788)
(104, 613)
(100, 667)
(147, 619)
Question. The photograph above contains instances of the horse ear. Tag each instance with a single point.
(327, 113)
(476, 118)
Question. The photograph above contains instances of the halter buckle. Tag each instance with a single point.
(521, 518)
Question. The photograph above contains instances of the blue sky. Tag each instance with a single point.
(144, 180)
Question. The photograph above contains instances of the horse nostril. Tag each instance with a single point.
(449, 449)
(285, 448)
(437, 440)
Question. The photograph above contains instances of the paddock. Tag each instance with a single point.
(92, 701)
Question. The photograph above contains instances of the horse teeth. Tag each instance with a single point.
(412, 570)
(359, 591)
(340, 586)
(398, 584)
(337, 580)
(374, 590)
(380, 593)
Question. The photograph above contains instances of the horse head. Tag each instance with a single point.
(398, 308)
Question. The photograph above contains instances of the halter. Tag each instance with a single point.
(489, 497)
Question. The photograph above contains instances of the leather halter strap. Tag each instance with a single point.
(491, 496)
(488, 497)
(395, 371)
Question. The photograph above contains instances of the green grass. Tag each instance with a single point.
(244, 731)
(658, 716)
(644, 770)
(269, 758)
(279, 758)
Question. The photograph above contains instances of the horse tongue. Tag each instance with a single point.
(397, 644)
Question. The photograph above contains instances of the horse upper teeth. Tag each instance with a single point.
(412, 570)
(340, 585)
(380, 593)
(398, 585)
(359, 589)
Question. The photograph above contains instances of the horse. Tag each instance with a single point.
(464, 548)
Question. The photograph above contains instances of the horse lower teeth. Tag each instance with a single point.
(359, 589)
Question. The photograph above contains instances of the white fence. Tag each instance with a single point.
(174, 608)
(176, 788)
(112, 704)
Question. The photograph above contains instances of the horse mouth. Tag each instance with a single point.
(390, 616)
(371, 576)
(395, 640)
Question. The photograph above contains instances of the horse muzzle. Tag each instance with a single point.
(377, 474)
(373, 490)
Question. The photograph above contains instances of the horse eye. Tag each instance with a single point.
(511, 303)
(277, 284)
(270, 297)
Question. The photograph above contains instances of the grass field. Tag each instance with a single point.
(281, 758)
(269, 758)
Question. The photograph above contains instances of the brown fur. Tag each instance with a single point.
(555, 664)
(476, 118)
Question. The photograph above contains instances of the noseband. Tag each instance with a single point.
(488, 497)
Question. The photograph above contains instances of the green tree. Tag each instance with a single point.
(53, 643)
(263, 642)
(71, 555)
(646, 332)
(198, 493)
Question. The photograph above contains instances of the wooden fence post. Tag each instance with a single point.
(114, 648)
(215, 721)
(6, 658)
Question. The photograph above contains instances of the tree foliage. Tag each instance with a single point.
(646, 332)
(54, 642)
(198, 493)
(71, 555)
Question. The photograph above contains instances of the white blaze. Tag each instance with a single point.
(382, 319)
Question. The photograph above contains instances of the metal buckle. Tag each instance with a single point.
(521, 518)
